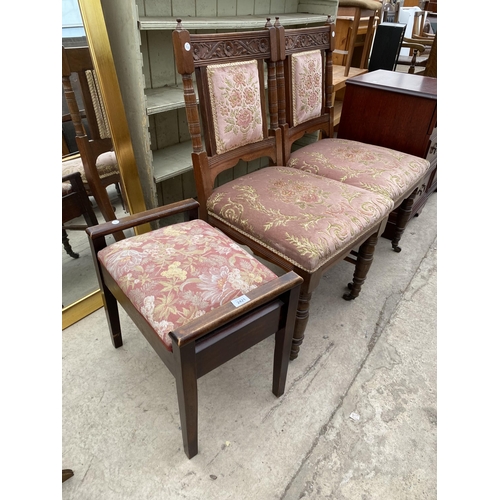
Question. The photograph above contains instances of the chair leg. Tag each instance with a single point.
(187, 396)
(282, 349)
(363, 263)
(112, 315)
(368, 42)
(66, 474)
(404, 212)
(283, 344)
(67, 246)
(119, 193)
(300, 323)
(352, 40)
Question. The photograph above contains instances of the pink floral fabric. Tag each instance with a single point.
(236, 105)
(379, 170)
(305, 218)
(306, 85)
(178, 273)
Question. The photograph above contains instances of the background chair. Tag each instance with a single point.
(97, 162)
(417, 42)
(75, 203)
(306, 108)
(197, 297)
(353, 11)
(296, 220)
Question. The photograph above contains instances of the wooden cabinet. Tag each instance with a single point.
(398, 111)
(140, 34)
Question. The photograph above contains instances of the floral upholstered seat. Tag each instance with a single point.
(308, 57)
(178, 273)
(305, 218)
(106, 164)
(374, 168)
(300, 216)
(377, 169)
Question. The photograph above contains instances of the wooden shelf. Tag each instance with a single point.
(230, 22)
(172, 161)
(164, 99)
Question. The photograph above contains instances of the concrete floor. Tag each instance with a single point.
(357, 421)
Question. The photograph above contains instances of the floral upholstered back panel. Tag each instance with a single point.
(306, 85)
(236, 104)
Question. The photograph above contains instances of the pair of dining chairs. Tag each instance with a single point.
(197, 297)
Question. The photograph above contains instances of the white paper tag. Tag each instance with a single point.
(239, 301)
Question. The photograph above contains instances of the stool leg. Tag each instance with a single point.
(112, 315)
(283, 344)
(187, 396)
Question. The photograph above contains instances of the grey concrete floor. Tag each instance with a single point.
(358, 418)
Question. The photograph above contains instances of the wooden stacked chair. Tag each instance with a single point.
(297, 220)
(97, 162)
(305, 76)
(355, 11)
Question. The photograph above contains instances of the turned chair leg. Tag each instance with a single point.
(404, 212)
(300, 323)
(363, 263)
(67, 246)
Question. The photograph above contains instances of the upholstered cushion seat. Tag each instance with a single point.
(305, 218)
(178, 273)
(379, 170)
(106, 165)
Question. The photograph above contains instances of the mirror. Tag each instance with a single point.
(80, 290)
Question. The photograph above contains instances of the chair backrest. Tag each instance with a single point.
(230, 72)
(77, 60)
(305, 82)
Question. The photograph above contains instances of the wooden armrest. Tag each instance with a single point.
(413, 45)
(223, 315)
(425, 36)
(189, 205)
(416, 39)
